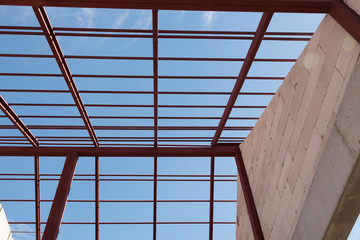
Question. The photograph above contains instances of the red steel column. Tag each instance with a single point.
(255, 44)
(155, 198)
(211, 211)
(155, 72)
(37, 198)
(97, 216)
(249, 199)
(58, 207)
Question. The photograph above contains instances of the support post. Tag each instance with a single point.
(58, 207)
(249, 199)
(155, 198)
(97, 207)
(37, 198)
(211, 211)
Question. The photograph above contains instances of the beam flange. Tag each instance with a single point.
(347, 18)
(249, 199)
(15, 119)
(58, 207)
(311, 6)
(254, 47)
(60, 59)
(223, 150)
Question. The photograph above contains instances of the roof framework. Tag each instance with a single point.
(157, 145)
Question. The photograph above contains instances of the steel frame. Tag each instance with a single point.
(219, 146)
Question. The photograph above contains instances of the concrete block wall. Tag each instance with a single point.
(302, 122)
(5, 232)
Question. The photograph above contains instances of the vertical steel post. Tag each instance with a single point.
(97, 212)
(155, 72)
(211, 211)
(62, 192)
(249, 199)
(155, 198)
(37, 198)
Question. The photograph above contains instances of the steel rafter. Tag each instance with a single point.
(58, 206)
(9, 112)
(221, 150)
(60, 59)
(155, 197)
(255, 44)
(155, 72)
(248, 196)
(311, 6)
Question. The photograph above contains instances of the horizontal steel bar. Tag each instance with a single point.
(115, 223)
(125, 106)
(150, 58)
(122, 201)
(224, 150)
(134, 92)
(134, 117)
(311, 6)
(138, 76)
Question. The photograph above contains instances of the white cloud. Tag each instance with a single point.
(181, 16)
(25, 228)
(120, 19)
(208, 19)
(85, 17)
(143, 21)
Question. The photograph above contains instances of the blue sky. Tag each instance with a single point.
(137, 190)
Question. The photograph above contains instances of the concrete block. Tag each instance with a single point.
(336, 41)
(327, 32)
(282, 182)
(308, 169)
(346, 52)
(311, 117)
(299, 124)
(295, 167)
(313, 78)
(349, 112)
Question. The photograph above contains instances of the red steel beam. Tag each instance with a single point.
(97, 197)
(211, 204)
(37, 198)
(155, 32)
(316, 6)
(60, 59)
(58, 207)
(347, 18)
(9, 112)
(255, 44)
(249, 199)
(221, 151)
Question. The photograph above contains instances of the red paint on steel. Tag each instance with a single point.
(249, 199)
(9, 112)
(155, 200)
(60, 59)
(227, 150)
(155, 73)
(255, 44)
(97, 198)
(347, 18)
(311, 6)
(58, 207)
(211, 204)
(37, 198)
